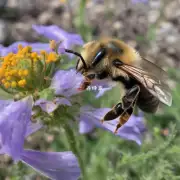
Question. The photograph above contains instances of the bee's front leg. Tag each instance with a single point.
(87, 82)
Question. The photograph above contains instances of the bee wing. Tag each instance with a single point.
(153, 78)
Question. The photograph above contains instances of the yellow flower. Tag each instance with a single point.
(25, 69)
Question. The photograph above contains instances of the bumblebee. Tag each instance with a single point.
(144, 82)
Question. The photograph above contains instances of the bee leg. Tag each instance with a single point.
(130, 97)
(87, 82)
(124, 118)
(128, 101)
(115, 112)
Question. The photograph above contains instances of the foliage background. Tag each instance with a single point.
(152, 28)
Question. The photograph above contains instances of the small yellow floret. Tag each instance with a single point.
(22, 83)
(20, 47)
(20, 72)
(8, 78)
(25, 72)
(3, 81)
(1, 72)
(52, 57)
(7, 84)
(13, 84)
(43, 52)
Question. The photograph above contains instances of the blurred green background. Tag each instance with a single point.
(152, 28)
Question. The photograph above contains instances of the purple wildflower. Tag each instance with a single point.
(132, 130)
(139, 1)
(36, 47)
(64, 86)
(15, 126)
(50, 106)
(54, 32)
(66, 82)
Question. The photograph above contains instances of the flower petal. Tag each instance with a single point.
(36, 47)
(14, 120)
(50, 106)
(55, 165)
(54, 32)
(32, 128)
(102, 86)
(132, 130)
(66, 82)
(63, 101)
(86, 127)
(12, 48)
(47, 106)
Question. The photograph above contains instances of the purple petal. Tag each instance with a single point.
(32, 128)
(53, 32)
(102, 91)
(36, 47)
(132, 130)
(50, 106)
(14, 120)
(54, 165)
(63, 101)
(47, 106)
(12, 48)
(86, 127)
(102, 86)
(4, 104)
(66, 82)
(139, 1)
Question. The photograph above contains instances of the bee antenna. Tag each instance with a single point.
(77, 54)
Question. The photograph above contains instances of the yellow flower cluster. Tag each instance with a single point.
(16, 69)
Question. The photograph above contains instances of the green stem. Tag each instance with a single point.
(72, 142)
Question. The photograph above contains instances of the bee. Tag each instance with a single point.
(144, 82)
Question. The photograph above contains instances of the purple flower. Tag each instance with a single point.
(90, 117)
(15, 126)
(54, 32)
(36, 47)
(102, 86)
(50, 106)
(14, 120)
(139, 1)
(64, 86)
(55, 165)
(66, 82)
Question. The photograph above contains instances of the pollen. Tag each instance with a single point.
(13, 84)
(52, 57)
(20, 47)
(7, 85)
(18, 69)
(25, 72)
(22, 83)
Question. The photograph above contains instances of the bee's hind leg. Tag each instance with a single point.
(130, 97)
(124, 118)
(115, 112)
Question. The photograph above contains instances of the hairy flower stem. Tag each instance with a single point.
(72, 142)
